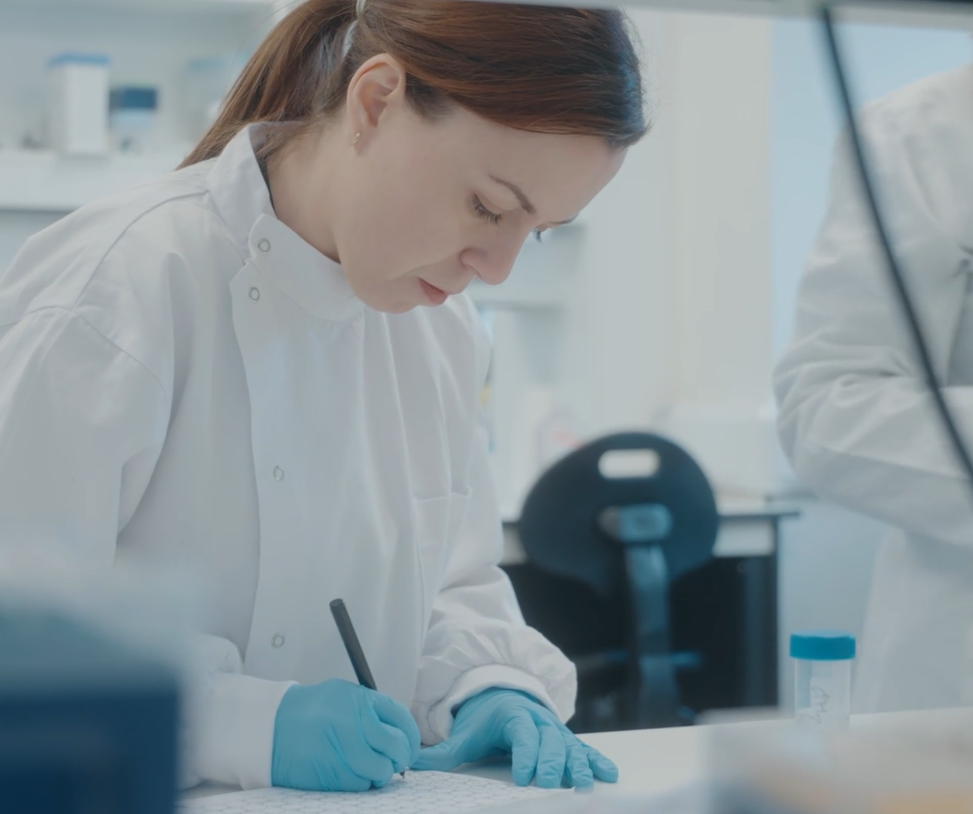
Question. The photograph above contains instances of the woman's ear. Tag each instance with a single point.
(376, 86)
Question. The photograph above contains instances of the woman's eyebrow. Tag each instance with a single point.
(525, 201)
(521, 197)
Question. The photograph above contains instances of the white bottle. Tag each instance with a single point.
(79, 93)
(822, 677)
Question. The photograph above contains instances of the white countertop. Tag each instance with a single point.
(650, 762)
(654, 762)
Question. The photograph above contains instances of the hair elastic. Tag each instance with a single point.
(349, 38)
(350, 33)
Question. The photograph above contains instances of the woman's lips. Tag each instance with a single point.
(435, 295)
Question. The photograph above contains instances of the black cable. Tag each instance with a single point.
(895, 272)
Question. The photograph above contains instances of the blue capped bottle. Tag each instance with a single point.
(822, 677)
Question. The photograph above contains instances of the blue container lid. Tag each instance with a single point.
(134, 98)
(74, 58)
(822, 645)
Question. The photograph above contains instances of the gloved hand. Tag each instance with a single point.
(339, 736)
(498, 722)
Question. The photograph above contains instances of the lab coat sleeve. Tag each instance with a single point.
(230, 718)
(81, 426)
(477, 637)
(855, 418)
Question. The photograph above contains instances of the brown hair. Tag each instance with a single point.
(539, 68)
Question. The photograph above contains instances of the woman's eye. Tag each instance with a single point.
(493, 217)
(483, 212)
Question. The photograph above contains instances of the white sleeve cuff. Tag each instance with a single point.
(439, 722)
(236, 729)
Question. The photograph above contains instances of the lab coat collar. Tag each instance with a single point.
(239, 189)
(306, 276)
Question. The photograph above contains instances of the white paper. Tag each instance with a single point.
(417, 793)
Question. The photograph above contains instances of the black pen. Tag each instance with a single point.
(358, 661)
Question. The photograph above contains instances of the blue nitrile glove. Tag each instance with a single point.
(339, 736)
(500, 722)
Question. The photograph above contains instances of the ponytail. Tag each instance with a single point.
(543, 69)
(288, 79)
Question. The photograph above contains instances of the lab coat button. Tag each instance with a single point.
(264, 245)
(278, 641)
(278, 474)
(255, 294)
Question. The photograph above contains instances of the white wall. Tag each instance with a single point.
(721, 200)
(665, 318)
(677, 250)
(616, 370)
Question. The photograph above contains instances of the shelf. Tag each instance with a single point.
(36, 181)
(168, 6)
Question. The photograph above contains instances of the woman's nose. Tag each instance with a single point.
(494, 263)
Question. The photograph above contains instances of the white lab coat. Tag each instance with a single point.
(183, 380)
(855, 418)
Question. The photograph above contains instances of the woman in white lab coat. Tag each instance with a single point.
(855, 417)
(262, 368)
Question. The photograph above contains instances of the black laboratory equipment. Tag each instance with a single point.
(87, 724)
(604, 554)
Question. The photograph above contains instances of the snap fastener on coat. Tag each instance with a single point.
(278, 641)
(278, 474)
(255, 294)
(264, 245)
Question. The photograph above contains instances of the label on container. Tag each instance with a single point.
(826, 705)
(818, 708)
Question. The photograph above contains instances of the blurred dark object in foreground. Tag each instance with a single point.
(87, 726)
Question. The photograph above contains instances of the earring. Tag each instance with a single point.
(354, 141)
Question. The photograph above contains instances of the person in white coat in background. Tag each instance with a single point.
(262, 368)
(856, 417)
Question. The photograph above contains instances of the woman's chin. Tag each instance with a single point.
(390, 306)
